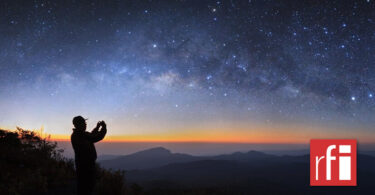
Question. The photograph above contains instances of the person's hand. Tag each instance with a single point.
(103, 124)
(98, 124)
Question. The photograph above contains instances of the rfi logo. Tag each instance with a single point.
(333, 162)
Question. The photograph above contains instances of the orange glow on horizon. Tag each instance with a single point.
(264, 136)
(288, 134)
(125, 138)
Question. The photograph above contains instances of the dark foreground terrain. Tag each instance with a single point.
(30, 164)
(158, 171)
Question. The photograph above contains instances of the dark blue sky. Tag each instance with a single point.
(171, 69)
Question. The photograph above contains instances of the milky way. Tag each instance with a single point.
(173, 63)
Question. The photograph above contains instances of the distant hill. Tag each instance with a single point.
(106, 157)
(279, 175)
(370, 153)
(164, 172)
(154, 157)
(243, 156)
(159, 156)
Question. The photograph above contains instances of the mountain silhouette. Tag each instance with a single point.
(243, 156)
(154, 157)
(236, 173)
(159, 156)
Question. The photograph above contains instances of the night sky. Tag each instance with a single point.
(237, 71)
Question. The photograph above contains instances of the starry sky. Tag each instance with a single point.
(217, 71)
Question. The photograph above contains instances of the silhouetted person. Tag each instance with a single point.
(85, 153)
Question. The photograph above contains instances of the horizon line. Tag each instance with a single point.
(186, 141)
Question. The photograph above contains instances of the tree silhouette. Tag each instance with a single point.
(30, 164)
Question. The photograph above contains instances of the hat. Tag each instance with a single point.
(78, 119)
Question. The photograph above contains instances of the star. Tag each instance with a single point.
(304, 61)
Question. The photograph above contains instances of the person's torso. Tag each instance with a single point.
(84, 149)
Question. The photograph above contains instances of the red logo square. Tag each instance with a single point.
(333, 162)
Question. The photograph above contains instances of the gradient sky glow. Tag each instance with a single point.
(205, 71)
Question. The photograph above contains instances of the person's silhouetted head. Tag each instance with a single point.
(79, 123)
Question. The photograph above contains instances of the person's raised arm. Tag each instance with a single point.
(95, 130)
(97, 135)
